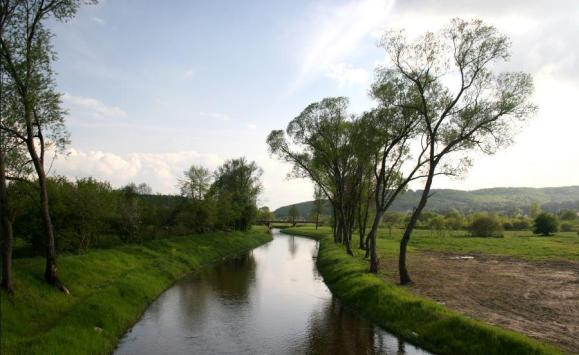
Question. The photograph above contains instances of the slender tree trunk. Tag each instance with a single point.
(51, 271)
(404, 275)
(372, 242)
(6, 228)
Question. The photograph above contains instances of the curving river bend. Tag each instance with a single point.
(269, 301)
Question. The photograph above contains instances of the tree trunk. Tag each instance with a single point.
(6, 228)
(50, 272)
(404, 275)
(372, 242)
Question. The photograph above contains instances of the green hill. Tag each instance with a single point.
(499, 199)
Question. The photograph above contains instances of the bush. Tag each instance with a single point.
(566, 227)
(485, 225)
(546, 224)
(521, 224)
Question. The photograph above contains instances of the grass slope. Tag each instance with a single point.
(110, 290)
(418, 320)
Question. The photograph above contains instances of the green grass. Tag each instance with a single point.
(418, 320)
(520, 244)
(110, 289)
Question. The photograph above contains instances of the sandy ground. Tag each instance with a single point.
(539, 299)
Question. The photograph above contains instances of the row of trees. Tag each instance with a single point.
(436, 101)
(88, 213)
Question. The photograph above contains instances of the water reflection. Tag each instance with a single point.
(292, 245)
(270, 301)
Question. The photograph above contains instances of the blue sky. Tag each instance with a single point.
(155, 86)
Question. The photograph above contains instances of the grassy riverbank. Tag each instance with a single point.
(110, 289)
(416, 319)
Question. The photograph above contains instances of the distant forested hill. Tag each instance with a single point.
(500, 199)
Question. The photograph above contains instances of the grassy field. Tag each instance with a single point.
(520, 244)
(421, 321)
(109, 291)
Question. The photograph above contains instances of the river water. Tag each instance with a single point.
(271, 300)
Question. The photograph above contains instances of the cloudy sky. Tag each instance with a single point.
(155, 86)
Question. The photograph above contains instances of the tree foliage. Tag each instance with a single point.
(546, 224)
(485, 225)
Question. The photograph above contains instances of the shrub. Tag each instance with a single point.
(521, 224)
(485, 225)
(546, 224)
(566, 227)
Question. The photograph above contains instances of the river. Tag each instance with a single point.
(271, 300)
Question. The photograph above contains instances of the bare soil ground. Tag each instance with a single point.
(539, 299)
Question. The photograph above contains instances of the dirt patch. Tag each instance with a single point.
(539, 299)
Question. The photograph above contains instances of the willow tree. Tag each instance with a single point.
(319, 147)
(462, 104)
(27, 55)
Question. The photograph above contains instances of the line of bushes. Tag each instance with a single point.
(415, 319)
(110, 289)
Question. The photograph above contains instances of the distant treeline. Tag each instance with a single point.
(88, 213)
(508, 201)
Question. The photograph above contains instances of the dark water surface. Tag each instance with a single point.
(269, 301)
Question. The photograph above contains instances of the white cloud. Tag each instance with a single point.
(162, 171)
(345, 74)
(251, 126)
(159, 170)
(338, 33)
(93, 107)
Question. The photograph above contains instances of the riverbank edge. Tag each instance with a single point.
(417, 320)
(94, 322)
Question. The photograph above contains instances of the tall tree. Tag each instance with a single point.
(390, 130)
(236, 187)
(196, 182)
(481, 112)
(318, 145)
(293, 214)
(26, 55)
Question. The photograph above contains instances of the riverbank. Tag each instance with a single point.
(416, 319)
(110, 289)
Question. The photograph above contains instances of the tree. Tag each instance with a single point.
(318, 205)
(236, 186)
(481, 113)
(196, 182)
(293, 214)
(26, 55)
(265, 214)
(485, 225)
(455, 220)
(437, 223)
(546, 224)
(319, 146)
(388, 132)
